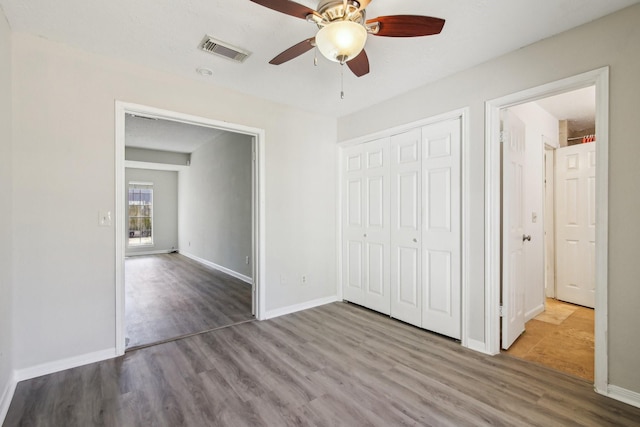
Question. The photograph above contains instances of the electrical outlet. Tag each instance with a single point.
(303, 279)
(246, 260)
(283, 279)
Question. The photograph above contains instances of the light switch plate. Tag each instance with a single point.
(104, 219)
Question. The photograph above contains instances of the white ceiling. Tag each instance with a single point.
(166, 135)
(164, 34)
(578, 107)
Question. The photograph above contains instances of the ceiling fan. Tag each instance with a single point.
(343, 30)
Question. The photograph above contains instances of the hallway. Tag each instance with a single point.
(560, 338)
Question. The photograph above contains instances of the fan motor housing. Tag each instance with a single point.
(332, 10)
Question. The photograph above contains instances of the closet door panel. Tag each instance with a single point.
(375, 203)
(354, 268)
(353, 225)
(438, 201)
(408, 201)
(406, 292)
(440, 235)
(437, 273)
(354, 202)
(377, 221)
(366, 272)
(376, 268)
(408, 285)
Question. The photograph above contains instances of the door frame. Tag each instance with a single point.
(600, 79)
(549, 224)
(258, 203)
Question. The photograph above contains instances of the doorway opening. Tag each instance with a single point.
(557, 220)
(190, 191)
(507, 300)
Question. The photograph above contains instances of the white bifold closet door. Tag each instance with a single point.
(425, 227)
(441, 222)
(365, 222)
(401, 226)
(406, 265)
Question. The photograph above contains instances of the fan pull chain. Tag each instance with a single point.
(315, 56)
(342, 81)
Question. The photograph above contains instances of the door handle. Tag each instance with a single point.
(526, 237)
(415, 240)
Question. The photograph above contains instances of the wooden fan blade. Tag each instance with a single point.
(294, 51)
(407, 25)
(288, 7)
(360, 64)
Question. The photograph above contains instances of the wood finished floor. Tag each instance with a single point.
(562, 338)
(170, 295)
(335, 365)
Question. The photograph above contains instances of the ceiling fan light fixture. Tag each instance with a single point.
(341, 41)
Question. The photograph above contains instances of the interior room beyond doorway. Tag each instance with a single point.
(551, 209)
(189, 241)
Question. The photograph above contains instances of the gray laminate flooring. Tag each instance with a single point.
(170, 295)
(335, 365)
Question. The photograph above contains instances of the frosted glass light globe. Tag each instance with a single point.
(341, 41)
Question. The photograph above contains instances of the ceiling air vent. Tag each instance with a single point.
(217, 47)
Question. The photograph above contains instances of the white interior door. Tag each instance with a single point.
(441, 228)
(406, 291)
(366, 225)
(513, 232)
(575, 223)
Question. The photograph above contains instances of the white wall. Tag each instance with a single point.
(6, 266)
(613, 41)
(538, 123)
(215, 203)
(165, 209)
(64, 175)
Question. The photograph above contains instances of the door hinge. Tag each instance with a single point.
(253, 156)
(501, 311)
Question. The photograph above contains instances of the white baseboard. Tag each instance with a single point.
(299, 307)
(533, 312)
(141, 253)
(7, 396)
(215, 266)
(476, 345)
(62, 364)
(623, 395)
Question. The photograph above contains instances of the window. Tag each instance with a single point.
(140, 214)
